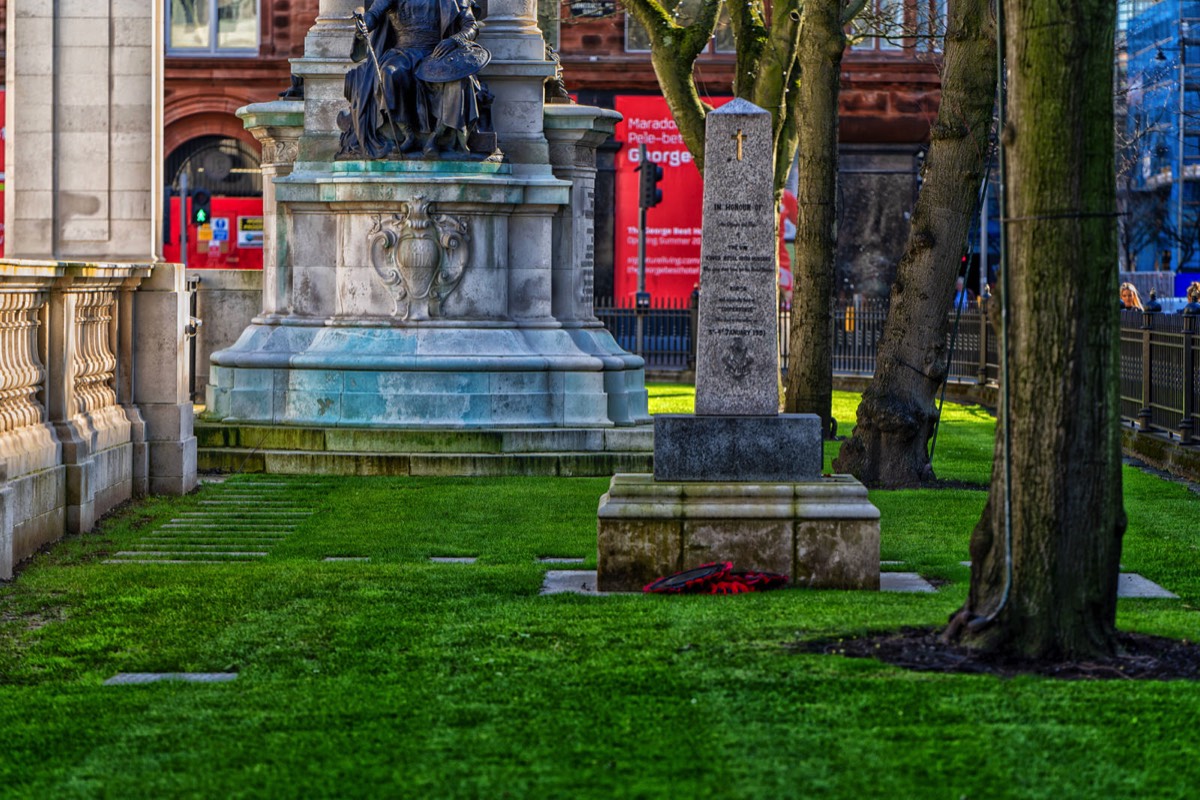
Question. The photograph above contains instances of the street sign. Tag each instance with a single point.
(583, 9)
(249, 231)
(220, 229)
(204, 233)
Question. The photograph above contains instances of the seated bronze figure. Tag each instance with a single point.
(415, 88)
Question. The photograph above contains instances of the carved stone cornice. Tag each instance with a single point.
(278, 125)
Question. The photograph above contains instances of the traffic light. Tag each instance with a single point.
(650, 195)
(201, 206)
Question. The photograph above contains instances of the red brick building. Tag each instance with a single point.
(890, 90)
(220, 56)
(889, 98)
(209, 77)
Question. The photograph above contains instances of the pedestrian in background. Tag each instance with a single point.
(1193, 296)
(1130, 299)
(964, 298)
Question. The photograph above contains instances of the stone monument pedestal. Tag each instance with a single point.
(435, 304)
(822, 533)
(738, 481)
(775, 447)
(368, 339)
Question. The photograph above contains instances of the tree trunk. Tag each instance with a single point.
(673, 53)
(810, 354)
(1067, 517)
(898, 412)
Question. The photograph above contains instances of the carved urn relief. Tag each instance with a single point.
(420, 256)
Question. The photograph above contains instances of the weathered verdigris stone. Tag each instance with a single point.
(433, 293)
(737, 347)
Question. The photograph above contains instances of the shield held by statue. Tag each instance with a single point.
(462, 62)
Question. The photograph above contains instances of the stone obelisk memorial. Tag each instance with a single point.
(738, 481)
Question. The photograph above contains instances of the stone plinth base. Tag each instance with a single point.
(823, 533)
(780, 447)
(294, 450)
(33, 493)
(434, 376)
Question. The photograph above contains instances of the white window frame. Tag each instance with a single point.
(213, 51)
(932, 18)
(710, 49)
(882, 44)
(629, 22)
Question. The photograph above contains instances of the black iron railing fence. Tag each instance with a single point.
(1160, 373)
(1160, 353)
(664, 334)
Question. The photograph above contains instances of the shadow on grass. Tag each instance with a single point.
(1139, 657)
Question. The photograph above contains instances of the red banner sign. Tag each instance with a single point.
(673, 226)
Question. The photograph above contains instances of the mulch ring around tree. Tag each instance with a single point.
(1142, 657)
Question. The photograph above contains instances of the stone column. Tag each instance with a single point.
(83, 148)
(332, 36)
(516, 76)
(160, 379)
(278, 125)
(327, 50)
(125, 377)
(574, 132)
(61, 406)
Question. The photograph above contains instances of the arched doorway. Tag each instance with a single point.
(228, 170)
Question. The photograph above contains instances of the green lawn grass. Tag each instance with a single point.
(403, 678)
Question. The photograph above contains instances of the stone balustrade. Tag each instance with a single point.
(93, 395)
(21, 373)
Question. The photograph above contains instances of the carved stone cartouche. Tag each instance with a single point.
(420, 256)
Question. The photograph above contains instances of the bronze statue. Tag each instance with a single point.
(417, 87)
(555, 87)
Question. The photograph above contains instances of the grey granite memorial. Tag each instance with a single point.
(429, 252)
(737, 432)
(738, 480)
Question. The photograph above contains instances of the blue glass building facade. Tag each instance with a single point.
(1161, 153)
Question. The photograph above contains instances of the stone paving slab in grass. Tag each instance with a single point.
(453, 559)
(167, 561)
(130, 678)
(577, 581)
(133, 554)
(584, 582)
(1133, 585)
(237, 522)
(904, 582)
